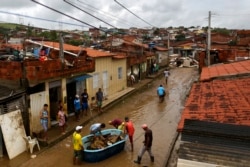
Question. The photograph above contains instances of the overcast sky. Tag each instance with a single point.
(229, 14)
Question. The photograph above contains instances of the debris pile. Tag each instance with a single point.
(100, 142)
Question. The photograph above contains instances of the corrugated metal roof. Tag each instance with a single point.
(188, 163)
(6, 93)
(215, 143)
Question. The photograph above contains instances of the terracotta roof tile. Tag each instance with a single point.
(98, 53)
(221, 70)
(224, 101)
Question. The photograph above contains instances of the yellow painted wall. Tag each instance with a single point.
(111, 66)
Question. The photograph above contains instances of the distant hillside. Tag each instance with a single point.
(8, 25)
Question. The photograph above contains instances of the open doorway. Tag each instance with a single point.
(71, 92)
(55, 94)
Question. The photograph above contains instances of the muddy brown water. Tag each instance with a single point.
(142, 107)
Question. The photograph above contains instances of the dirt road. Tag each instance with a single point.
(142, 107)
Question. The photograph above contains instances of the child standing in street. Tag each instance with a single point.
(61, 120)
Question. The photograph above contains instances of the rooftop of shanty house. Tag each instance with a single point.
(25, 61)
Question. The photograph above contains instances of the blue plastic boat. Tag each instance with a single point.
(102, 154)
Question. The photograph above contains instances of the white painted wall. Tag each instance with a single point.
(37, 101)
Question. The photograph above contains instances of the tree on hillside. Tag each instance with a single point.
(53, 36)
(75, 42)
(45, 34)
(222, 31)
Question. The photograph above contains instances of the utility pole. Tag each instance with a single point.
(61, 49)
(168, 44)
(209, 38)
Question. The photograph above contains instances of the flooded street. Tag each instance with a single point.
(142, 107)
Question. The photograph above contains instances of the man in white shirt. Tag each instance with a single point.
(97, 127)
(167, 74)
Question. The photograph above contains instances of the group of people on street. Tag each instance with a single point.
(128, 128)
(125, 126)
(82, 106)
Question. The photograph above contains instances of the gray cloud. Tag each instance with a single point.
(161, 13)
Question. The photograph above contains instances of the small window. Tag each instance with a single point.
(120, 73)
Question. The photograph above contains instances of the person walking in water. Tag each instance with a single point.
(166, 74)
(130, 130)
(147, 144)
(161, 93)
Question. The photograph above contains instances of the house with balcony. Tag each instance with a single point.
(49, 72)
(139, 57)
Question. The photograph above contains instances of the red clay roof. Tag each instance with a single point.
(221, 70)
(98, 53)
(160, 48)
(120, 55)
(223, 101)
(14, 46)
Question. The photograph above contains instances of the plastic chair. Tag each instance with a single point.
(31, 143)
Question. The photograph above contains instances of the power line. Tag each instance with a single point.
(133, 13)
(94, 9)
(89, 13)
(31, 17)
(66, 15)
(236, 15)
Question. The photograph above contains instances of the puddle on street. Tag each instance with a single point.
(142, 107)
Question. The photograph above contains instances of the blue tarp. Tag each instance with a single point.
(83, 77)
